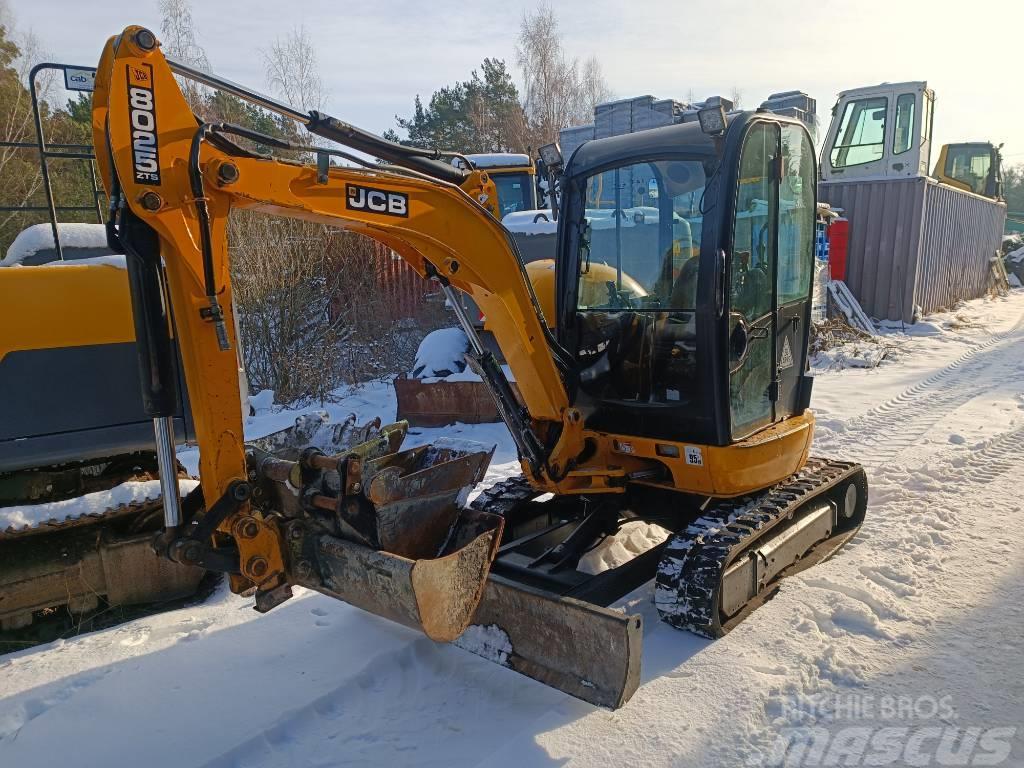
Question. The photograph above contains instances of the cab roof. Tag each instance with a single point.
(650, 143)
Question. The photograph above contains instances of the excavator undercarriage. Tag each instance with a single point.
(386, 530)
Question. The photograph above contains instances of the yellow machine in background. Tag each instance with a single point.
(973, 167)
(681, 398)
(514, 177)
(79, 495)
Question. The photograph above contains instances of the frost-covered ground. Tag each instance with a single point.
(905, 649)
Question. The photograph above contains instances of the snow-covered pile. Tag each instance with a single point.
(835, 345)
(440, 354)
(530, 223)
(633, 538)
(39, 237)
(131, 492)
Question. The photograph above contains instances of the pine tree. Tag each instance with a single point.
(482, 114)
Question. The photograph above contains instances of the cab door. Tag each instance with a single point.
(752, 271)
(771, 269)
(795, 264)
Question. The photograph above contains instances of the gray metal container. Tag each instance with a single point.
(571, 138)
(916, 246)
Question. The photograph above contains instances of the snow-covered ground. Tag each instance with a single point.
(905, 649)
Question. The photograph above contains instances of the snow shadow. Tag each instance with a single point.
(315, 682)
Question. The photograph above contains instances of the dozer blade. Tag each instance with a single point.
(587, 651)
(437, 403)
(385, 530)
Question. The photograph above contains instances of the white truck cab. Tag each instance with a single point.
(879, 132)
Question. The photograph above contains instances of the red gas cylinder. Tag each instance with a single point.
(838, 242)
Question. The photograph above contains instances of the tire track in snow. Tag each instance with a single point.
(901, 549)
(887, 430)
(344, 725)
(28, 709)
(998, 456)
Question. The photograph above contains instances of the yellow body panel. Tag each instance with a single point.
(542, 278)
(593, 292)
(47, 307)
(724, 471)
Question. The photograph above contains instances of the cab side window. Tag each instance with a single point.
(861, 135)
(796, 215)
(903, 138)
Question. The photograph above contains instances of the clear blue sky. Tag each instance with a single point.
(375, 56)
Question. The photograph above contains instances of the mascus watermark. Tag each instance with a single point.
(867, 730)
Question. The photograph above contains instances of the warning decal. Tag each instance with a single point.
(786, 360)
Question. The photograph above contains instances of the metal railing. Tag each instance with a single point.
(75, 79)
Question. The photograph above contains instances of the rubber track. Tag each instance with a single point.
(111, 513)
(694, 561)
(505, 495)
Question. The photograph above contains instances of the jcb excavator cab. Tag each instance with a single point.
(972, 166)
(718, 233)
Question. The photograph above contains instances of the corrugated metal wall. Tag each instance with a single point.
(914, 242)
(405, 291)
(961, 234)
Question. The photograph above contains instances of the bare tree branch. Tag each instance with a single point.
(178, 37)
(293, 72)
(557, 91)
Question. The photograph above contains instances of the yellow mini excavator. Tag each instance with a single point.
(674, 392)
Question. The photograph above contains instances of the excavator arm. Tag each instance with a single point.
(441, 229)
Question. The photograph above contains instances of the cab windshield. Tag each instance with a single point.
(637, 291)
(513, 192)
(971, 165)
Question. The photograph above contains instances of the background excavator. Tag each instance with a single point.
(674, 388)
(975, 166)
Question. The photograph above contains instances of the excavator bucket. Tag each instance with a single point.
(436, 594)
(385, 529)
